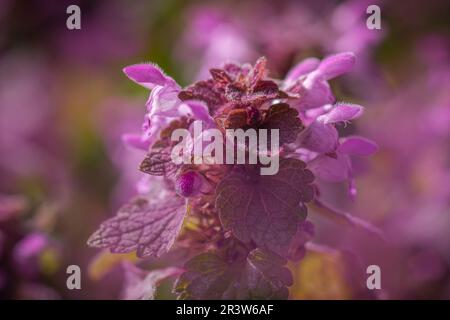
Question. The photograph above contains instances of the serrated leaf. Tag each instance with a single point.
(236, 118)
(158, 163)
(266, 209)
(149, 228)
(266, 276)
(258, 72)
(207, 277)
(261, 275)
(284, 118)
(205, 91)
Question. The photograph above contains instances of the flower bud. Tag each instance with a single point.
(189, 184)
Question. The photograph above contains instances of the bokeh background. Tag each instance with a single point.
(64, 104)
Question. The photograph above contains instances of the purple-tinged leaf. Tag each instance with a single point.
(150, 228)
(264, 89)
(205, 91)
(220, 76)
(158, 163)
(261, 275)
(266, 209)
(207, 277)
(284, 118)
(266, 277)
(258, 72)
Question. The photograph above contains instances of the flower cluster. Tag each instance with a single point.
(239, 227)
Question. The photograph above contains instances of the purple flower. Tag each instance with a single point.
(189, 184)
(234, 220)
(319, 144)
(163, 104)
(27, 252)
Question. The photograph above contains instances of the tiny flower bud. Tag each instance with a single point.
(189, 184)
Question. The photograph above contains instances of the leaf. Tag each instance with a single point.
(266, 276)
(207, 277)
(261, 275)
(258, 72)
(149, 228)
(266, 89)
(220, 76)
(281, 116)
(205, 91)
(158, 163)
(266, 209)
(236, 118)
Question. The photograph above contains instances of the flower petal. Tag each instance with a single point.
(164, 101)
(199, 111)
(147, 75)
(319, 137)
(331, 169)
(358, 146)
(336, 65)
(303, 67)
(317, 93)
(342, 112)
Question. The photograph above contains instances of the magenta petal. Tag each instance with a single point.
(331, 169)
(319, 137)
(199, 111)
(303, 67)
(147, 75)
(26, 252)
(318, 93)
(336, 65)
(342, 112)
(358, 146)
(163, 101)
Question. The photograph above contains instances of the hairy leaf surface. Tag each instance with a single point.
(149, 228)
(261, 275)
(266, 209)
